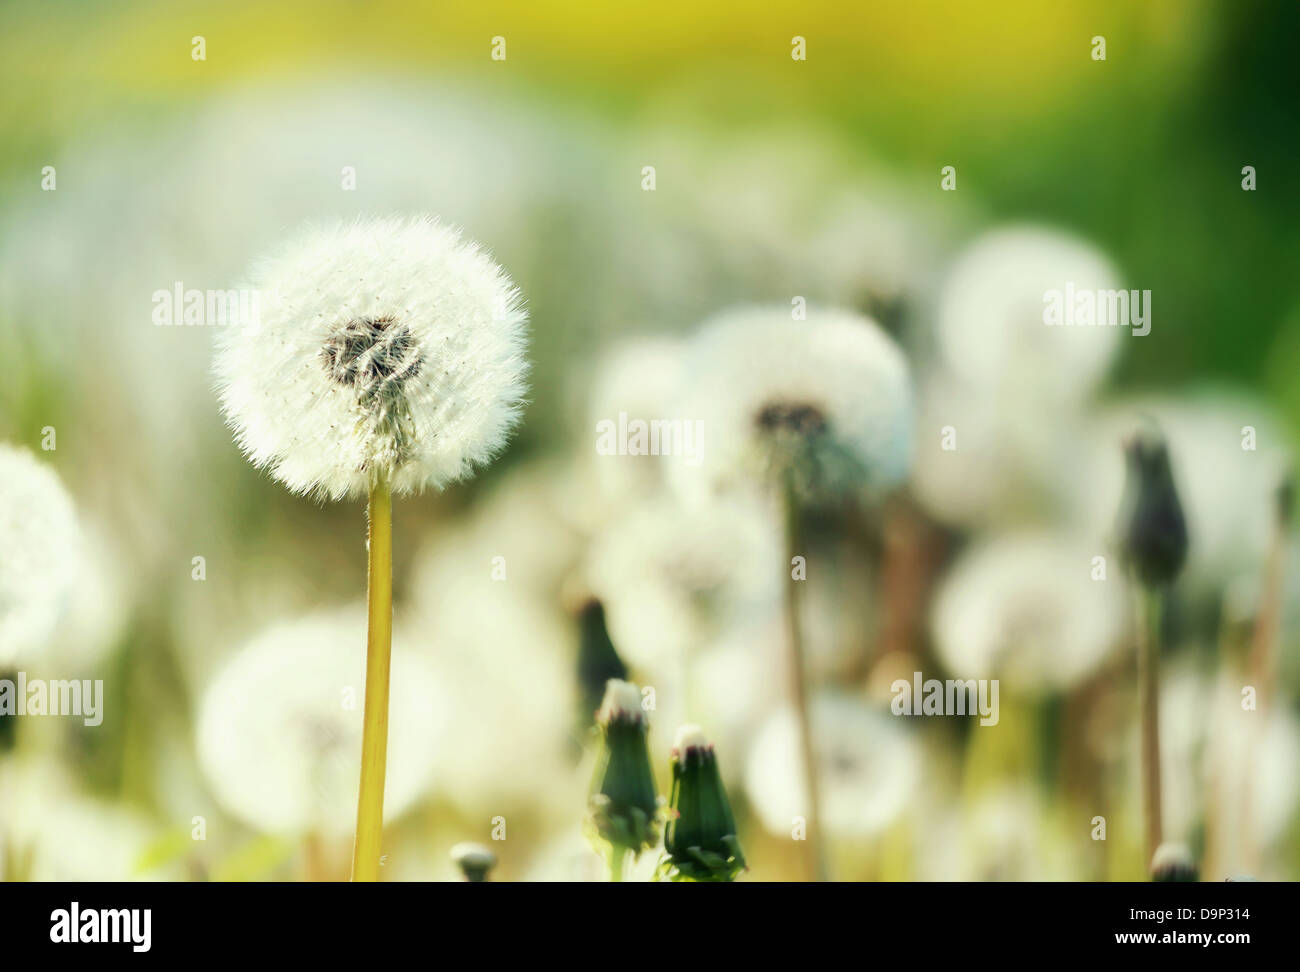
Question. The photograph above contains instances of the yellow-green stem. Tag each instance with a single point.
(379, 644)
(814, 860)
(617, 855)
(1148, 627)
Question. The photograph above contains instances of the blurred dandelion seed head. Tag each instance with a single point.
(826, 401)
(42, 546)
(1024, 608)
(676, 578)
(279, 730)
(386, 349)
(868, 764)
(990, 317)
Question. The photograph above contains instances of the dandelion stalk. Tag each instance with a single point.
(379, 648)
(1148, 652)
(617, 855)
(815, 862)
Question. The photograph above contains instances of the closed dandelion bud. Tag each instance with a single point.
(474, 861)
(598, 660)
(701, 834)
(1173, 862)
(1152, 528)
(623, 805)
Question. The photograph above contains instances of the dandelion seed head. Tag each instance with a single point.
(508, 649)
(1005, 833)
(41, 540)
(1024, 608)
(827, 400)
(868, 767)
(50, 823)
(678, 577)
(991, 331)
(279, 729)
(386, 348)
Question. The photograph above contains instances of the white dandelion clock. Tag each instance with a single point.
(677, 579)
(1005, 833)
(992, 461)
(823, 403)
(387, 356)
(50, 830)
(279, 731)
(384, 351)
(1030, 610)
(869, 767)
(42, 553)
(509, 651)
(996, 304)
(636, 381)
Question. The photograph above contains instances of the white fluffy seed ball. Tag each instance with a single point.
(41, 544)
(384, 349)
(829, 397)
(279, 730)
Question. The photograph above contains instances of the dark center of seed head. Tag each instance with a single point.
(368, 353)
(802, 420)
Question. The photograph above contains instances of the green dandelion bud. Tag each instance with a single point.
(701, 834)
(474, 861)
(598, 660)
(1152, 528)
(624, 805)
(1173, 862)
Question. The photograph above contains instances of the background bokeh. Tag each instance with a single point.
(774, 178)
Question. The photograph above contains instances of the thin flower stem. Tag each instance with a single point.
(1148, 630)
(814, 860)
(379, 644)
(617, 855)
